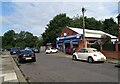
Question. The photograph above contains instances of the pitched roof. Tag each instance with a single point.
(92, 33)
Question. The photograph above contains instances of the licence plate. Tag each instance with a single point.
(28, 58)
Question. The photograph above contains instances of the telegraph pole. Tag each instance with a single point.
(84, 44)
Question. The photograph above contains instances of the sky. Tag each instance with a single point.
(33, 16)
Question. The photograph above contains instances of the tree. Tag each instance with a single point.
(39, 42)
(77, 22)
(110, 26)
(22, 39)
(92, 23)
(9, 38)
(55, 27)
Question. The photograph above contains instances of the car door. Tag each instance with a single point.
(86, 54)
(48, 50)
(82, 54)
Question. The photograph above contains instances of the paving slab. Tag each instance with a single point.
(10, 77)
(9, 70)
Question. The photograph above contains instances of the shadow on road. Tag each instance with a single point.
(118, 65)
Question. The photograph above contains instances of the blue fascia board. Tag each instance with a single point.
(68, 41)
(69, 37)
(75, 40)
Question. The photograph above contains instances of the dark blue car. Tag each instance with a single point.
(26, 55)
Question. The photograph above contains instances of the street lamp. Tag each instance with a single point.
(83, 11)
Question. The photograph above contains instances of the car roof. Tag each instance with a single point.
(26, 50)
(89, 49)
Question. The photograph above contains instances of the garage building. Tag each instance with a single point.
(73, 38)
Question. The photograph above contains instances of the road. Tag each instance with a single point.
(58, 68)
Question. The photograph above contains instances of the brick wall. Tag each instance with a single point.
(68, 32)
(111, 54)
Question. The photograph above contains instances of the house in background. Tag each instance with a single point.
(73, 37)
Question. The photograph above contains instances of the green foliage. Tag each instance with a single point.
(76, 22)
(55, 27)
(8, 38)
(110, 26)
(92, 23)
(23, 39)
(39, 42)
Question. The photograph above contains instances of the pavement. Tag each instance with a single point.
(10, 72)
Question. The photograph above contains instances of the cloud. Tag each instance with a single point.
(34, 16)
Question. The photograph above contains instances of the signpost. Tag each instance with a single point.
(118, 27)
(84, 43)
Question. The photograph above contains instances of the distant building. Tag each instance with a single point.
(72, 37)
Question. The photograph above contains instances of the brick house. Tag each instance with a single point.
(72, 37)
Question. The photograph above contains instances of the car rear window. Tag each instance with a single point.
(26, 52)
(95, 50)
(52, 48)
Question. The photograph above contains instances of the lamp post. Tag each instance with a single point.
(83, 11)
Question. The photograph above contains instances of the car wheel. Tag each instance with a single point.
(11, 53)
(103, 61)
(34, 60)
(19, 60)
(90, 60)
(74, 57)
(50, 51)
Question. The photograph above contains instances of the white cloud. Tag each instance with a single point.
(35, 16)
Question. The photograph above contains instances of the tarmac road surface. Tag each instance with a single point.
(59, 68)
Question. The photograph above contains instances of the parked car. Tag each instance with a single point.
(51, 50)
(27, 48)
(1, 49)
(35, 50)
(89, 54)
(14, 50)
(26, 55)
(70, 50)
(8, 49)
